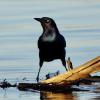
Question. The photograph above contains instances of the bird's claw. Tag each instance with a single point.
(37, 79)
(66, 69)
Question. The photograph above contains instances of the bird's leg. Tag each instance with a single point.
(38, 74)
(41, 63)
(64, 63)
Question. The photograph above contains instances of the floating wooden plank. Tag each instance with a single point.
(64, 81)
(71, 76)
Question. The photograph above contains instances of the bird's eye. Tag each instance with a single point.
(47, 21)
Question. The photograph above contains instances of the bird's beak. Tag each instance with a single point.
(38, 19)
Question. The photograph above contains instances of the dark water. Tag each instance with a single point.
(77, 20)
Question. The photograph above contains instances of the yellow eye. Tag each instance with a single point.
(47, 21)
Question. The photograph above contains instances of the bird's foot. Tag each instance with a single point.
(37, 79)
(66, 69)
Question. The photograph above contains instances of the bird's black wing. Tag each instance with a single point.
(40, 43)
(61, 41)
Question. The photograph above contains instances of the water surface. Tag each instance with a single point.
(77, 20)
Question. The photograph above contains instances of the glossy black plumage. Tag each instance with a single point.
(51, 43)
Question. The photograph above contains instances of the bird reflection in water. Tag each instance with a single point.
(57, 96)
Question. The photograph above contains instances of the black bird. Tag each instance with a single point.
(51, 43)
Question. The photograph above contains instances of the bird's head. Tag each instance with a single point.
(50, 29)
(46, 22)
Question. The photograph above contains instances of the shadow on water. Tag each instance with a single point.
(57, 96)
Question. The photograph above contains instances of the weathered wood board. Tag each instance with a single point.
(79, 72)
(66, 80)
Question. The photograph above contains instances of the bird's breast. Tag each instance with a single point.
(49, 37)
